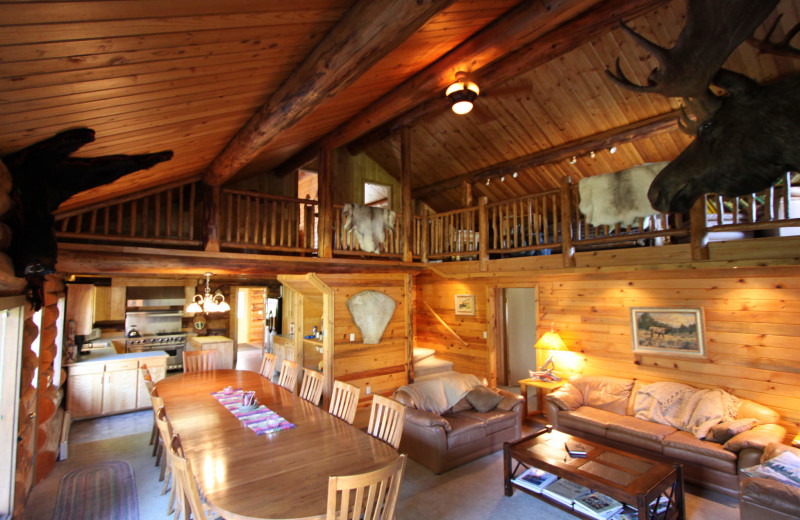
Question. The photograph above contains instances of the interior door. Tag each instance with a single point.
(520, 327)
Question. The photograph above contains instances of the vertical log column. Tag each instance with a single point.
(567, 248)
(325, 184)
(211, 217)
(699, 232)
(27, 423)
(405, 187)
(483, 235)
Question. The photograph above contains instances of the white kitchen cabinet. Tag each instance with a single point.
(85, 390)
(119, 386)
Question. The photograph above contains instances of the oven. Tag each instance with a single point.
(172, 344)
(156, 330)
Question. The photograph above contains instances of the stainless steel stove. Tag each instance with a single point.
(173, 344)
(156, 330)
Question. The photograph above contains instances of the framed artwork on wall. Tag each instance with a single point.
(465, 304)
(668, 331)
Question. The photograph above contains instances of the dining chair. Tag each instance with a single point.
(386, 420)
(199, 360)
(368, 496)
(344, 401)
(311, 387)
(288, 377)
(192, 504)
(267, 365)
(151, 387)
(165, 437)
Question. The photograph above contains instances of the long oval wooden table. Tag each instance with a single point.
(282, 475)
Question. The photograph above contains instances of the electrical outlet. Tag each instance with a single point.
(352, 336)
(368, 389)
(484, 334)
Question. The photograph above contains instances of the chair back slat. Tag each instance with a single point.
(386, 420)
(311, 387)
(199, 360)
(267, 365)
(182, 470)
(368, 496)
(288, 378)
(344, 401)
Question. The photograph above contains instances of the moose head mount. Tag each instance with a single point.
(748, 138)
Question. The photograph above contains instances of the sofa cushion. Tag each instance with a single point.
(427, 419)
(638, 432)
(758, 437)
(494, 420)
(605, 393)
(483, 398)
(464, 430)
(587, 419)
(567, 397)
(684, 446)
(724, 431)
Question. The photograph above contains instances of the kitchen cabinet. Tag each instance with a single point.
(223, 346)
(119, 386)
(109, 303)
(283, 347)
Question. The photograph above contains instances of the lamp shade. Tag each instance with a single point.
(550, 341)
(462, 94)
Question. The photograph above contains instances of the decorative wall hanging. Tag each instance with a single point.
(668, 331)
(372, 311)
(465, 304)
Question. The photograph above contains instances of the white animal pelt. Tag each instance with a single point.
(369, 225)
(619, 196)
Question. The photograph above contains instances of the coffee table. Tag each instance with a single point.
(626, 477)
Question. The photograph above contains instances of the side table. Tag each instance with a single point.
(542, 388)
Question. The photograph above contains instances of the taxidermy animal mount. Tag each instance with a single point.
(745, 140)
(372, 311)
(43, 176)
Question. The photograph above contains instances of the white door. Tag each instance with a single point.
(521, 318)
(11, 318)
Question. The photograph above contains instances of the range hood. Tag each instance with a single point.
(137, 297)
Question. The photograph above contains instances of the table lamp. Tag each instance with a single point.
(550, 341)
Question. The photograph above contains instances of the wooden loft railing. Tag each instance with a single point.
(543, 223)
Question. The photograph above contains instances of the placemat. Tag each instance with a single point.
(258, 419)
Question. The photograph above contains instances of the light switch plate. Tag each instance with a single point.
(484, 334)
(352, 336)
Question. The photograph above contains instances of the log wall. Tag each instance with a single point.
(751, 321)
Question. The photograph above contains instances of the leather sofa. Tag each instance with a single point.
(601, 408)
(444, 441)
(761, 498)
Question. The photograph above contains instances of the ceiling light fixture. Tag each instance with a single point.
(573, 160)
(515, 175)
(462, 93)
(613, 149)
(591, 154)
(207, 302)
(488, 181)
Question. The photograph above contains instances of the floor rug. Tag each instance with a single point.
(102, 491)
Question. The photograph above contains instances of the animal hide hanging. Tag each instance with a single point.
(372, 311)
(369, 225)
(619, 196)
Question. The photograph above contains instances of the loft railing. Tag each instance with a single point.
(345, 241)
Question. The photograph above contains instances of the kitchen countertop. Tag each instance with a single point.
(106, 354)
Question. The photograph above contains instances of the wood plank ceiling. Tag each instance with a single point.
(186, 75)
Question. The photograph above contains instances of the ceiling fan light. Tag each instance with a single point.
(462, 107)
(462, 94)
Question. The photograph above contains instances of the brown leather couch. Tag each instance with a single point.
(601, 408)
(442, 442)
(761, 498)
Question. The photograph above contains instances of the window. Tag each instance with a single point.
(377, 195)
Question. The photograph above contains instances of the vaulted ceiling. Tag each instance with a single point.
(188, 75)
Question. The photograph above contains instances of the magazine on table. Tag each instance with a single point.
(598, 505)
(626, 513)
(535, 479)
(564, 491)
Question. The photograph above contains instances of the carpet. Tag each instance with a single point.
(101, 491)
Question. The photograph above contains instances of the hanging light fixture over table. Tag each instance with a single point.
(208, 302)
(462, 93)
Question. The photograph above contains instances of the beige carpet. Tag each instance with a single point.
(471, 492)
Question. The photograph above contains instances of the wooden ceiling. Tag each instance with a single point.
(187, 75)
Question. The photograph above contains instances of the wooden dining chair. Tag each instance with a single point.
(151, 387)
(288, 377)
(386, 420)
(311, 387)
(165, 437)
(267, 365)
(368, 496)
(192, 505)
(344, 401)
(199, 360)
(156, 403)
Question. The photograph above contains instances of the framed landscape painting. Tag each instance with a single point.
(668, 331)
(465, 304)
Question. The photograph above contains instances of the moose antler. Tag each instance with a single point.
(781, 47)
(714, 28)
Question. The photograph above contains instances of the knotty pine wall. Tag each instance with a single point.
(351, 172)
(383, 366)
(752, 324)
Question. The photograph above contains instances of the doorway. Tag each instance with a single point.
(520, 322)
(250, 313)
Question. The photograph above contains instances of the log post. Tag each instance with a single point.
(325, 184)
(405, 187)
(211, 216)
(483, 235)
(468, 198)
(698, 229)
(426, 219)
(567, 248)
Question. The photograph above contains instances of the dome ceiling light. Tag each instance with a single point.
(462, 94)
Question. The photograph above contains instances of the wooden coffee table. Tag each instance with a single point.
(628, 478)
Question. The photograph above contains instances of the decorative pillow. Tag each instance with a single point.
(783, 468)
(757, 438)
(724, 431)
(461, 406)
(567, 397)
(508, 402)
(483, 398)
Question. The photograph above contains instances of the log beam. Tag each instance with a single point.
(646, 128)
(366, 33)
(405, 187)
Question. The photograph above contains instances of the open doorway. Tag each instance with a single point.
(250, 313)
(516, 355)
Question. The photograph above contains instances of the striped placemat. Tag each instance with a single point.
(261, 419)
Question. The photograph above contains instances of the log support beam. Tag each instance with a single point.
(325, 186)
(405, 188)
(211, 217)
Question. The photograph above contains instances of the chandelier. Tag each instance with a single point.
(208, 302)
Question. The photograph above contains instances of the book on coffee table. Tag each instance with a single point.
(534, 479)
(564, 491)
(597, 505)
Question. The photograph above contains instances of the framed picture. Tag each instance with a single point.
(465, 304)
(668, 331)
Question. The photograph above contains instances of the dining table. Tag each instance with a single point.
(280, 475)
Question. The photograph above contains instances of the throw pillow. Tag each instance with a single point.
(783, 468)
(567, 397)
(461, 406)
(725, 431)
(483, 398)
(508, 402)
(757, 438)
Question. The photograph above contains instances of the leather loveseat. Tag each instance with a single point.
(460, 434)
(601, 408)
(761, 498)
